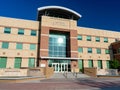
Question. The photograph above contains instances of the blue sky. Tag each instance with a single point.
(101, 14)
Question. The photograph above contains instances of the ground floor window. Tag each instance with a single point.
(108, 64)
(31, 62)
(80, 64)
(90, 63)
(17, 63)
(3, 62)
(100, 64)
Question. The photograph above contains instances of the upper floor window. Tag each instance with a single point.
(89, 50)
(98, 51)
(7, 30)
(5, 45)
(33, 33)
(19, 46)
(32, 46)
(97, 39)
(105, 39)
(107, 51)
(79, 37)
(80, 49)
(88, 38)
(21, 31)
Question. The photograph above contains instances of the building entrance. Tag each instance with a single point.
(60, 67)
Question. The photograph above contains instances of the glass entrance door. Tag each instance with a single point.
(60, 67)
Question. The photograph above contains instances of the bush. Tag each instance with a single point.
(114, 64)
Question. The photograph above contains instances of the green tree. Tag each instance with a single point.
(114, 64)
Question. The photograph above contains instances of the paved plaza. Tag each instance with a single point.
(65, 84)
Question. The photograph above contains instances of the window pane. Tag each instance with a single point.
(100, 64)
(107, 51)
(19, 46)
(105, 39)
(21, 31)
(98, 51)
(5, 45)
(3, 62)
(31, 62)
(7, 30)
(17, 63)
(88, 38)
(97, 39)
(90, 63)
(33, 33)
(89, 50)
(79, 37)
(80, 49)
(108, 64)
(32, 46)
(80, 64)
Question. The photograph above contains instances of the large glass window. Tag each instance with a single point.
(21, 31)
(89, 50)
(5, 45)
(17, 62)
(7, 30)
(88, 38)
(98, 51)
(57, 45)
(3, 62)
(32, 46)
(31, 62)
(79, 37)
(90, 63)
(19, 46)
(33, 32)
(100, 64)
(97, 39)
(105, 39)
(80, 49)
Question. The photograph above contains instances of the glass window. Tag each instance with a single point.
(21, 31)
(98, 51)
(89, 50)
(7, 30)
(88, 38)
(90, 63)
(107, 51)
(19, 46)
(97, 39)
(79, 37)
(32, 46)
(80, 64)
(106, 40)
(31, 62)
(80, 49)
(108, 64)
(3, 62)
(5, 45)
(33, 32)
(100, 64)
(17, 62)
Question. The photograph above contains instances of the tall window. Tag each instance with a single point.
(33, 33)
(31, 62)
(79, 37)
(17, 62)
(80, 49)
(107, 51)
(97, 39)
(88, 38)
(90, 63)
(108, 64)
(5, 45)
(3, 62)
(19, 46)
(21, 31)
(7, 30)
(89, 50)
(32, 46)
(98, 51)
(105, 39)
(80, 64)
(100, 64)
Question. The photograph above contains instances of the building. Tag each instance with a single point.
(53, 40)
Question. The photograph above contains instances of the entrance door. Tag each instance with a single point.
(60, 67)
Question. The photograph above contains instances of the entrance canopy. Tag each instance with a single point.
(58, 11)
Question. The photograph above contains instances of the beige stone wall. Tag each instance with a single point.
(111, 35)
(14, 38)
